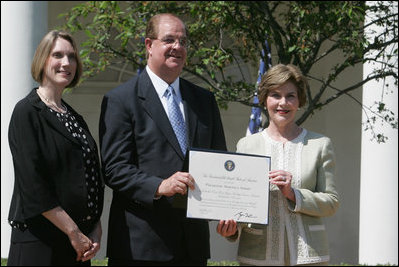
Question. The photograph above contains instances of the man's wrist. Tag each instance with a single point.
(157, 194)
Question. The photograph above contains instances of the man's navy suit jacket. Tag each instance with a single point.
(138, 150)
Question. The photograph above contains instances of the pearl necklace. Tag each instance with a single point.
(63, 108)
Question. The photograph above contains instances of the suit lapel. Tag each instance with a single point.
(153, 106)
(51, 118)
(189, 102)
(57, 125)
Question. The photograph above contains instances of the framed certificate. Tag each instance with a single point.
(229, 186)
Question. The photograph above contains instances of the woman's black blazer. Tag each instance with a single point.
(48, 164)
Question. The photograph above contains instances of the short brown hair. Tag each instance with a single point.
(279, 75)
(43, 52)
(152, 25)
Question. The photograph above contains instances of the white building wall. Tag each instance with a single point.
(378, 229)
(23, 25)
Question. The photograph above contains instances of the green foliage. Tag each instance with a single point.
(233, 33)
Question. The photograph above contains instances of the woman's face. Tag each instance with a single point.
(282, 104)
(61, 65)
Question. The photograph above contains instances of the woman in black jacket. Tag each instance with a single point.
(58, 191)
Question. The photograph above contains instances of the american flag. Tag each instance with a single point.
(255, 119)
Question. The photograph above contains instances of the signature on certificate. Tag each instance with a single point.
(241, 214)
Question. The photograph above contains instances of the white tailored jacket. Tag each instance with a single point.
(311, 161)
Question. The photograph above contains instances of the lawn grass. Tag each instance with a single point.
(210, 263)
(105, 263)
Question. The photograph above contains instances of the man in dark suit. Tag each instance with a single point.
(143, 157)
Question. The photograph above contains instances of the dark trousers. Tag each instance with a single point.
(184, 262)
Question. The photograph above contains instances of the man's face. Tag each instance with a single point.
(167, 53)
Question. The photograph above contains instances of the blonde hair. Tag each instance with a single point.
(43, 52)
(279, 75)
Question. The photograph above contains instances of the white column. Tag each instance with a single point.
(378, 229)
(23, 25)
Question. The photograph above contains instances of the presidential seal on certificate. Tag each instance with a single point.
(229, 186)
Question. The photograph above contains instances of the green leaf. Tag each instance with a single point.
(227, 38)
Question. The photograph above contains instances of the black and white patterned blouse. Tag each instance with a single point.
(92, 174)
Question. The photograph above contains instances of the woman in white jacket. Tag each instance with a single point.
(302, 189)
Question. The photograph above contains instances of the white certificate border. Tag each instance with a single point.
(228, 153)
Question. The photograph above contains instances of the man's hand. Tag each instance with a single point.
(176, 184)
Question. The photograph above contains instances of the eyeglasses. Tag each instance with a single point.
(169, 41)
